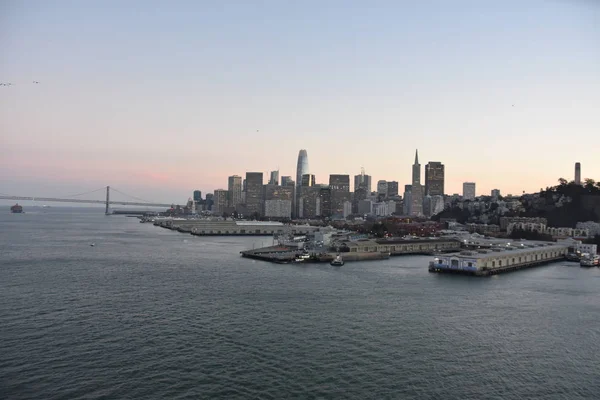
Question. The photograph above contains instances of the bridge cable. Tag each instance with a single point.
(81, 194)
(130, 196)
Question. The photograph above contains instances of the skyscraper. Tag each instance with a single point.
(254, 192)
(434, 178)
(197, 195)
(234, 187)
(417, 190)
(382, 188)
(274, 180)
(340, 192)
(407, 199)
(469, 191)
(577, 173)
(286, 180)
(308, 180)
(362, 181)
(220, 201)
(392, 189)
(301, 169)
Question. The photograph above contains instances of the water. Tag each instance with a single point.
(151, 314)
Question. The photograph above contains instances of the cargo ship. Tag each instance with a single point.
(16, 209)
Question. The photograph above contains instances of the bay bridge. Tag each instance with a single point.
(75, 198)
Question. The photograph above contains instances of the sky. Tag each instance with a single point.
(160, 98)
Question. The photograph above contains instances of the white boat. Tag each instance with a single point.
(337, 261)
(590, 261)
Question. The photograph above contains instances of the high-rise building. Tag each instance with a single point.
(325, 195)
(197, 196)
(309, 202)
(220, 201)
(276, 192)
(416, 207)
(382, 188)
(407, 199)
(254, 193)
(274, 180)
(347, 208)
(469, 191)
(278, 209)
(495, 194)
(234, 186)
(209, 201)
(434, 178)
(301, 169)
(362, 181)
(577, 173)
(340, 192)
(308, 180)
(286, 180)
(392, 189)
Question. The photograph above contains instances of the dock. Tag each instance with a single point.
(285, 255)
(500, 259)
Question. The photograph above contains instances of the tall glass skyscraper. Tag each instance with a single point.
(301, 169)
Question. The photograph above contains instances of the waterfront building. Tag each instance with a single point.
(301, 169)
(434, 178)
(234, 186)
(278, 208)
(392, 189)
(577, 173)
(274, 179)
(416, 207)
(286, 181)
(382, 188)
(362, 181)
(254, 193)
(197, 196)
(469, 191)
(220, 201)
(340, 192)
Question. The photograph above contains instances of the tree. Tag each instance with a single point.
(562, 181)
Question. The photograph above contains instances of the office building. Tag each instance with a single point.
(209, 201)
(325, 195)
(280, 209)
(301, 169)
(434, 178)
(347, 208)
(340, 192)
(495, 194)
(309, 202)
(407, 199)
(276, 192)
(254, 193)
(197, 196)
(286, 181)
(577, 173)
(382, 188)
(308, 180)
(416, 207)
(392, 189)
(220, 201)
(274, 179)
(362, 181)
(469, 191)
(234, 186)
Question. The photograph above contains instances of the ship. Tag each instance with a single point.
(590, 261)
(337, 261)
(16, 209)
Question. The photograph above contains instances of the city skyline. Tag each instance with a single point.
(155, 107)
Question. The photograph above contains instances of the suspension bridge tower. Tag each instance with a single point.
(107, 211)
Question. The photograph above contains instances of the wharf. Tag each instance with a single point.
(286, 254)
(497, 260)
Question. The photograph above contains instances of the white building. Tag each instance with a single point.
(469, 191)
(278, 208)
(347, 208)
(381, 209)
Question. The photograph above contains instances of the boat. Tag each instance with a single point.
(590, 261)
(16, 209)
(337, 261)
(572, 257)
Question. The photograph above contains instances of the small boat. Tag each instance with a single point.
(92, 244)
(572, 257)
(16, 209)
(337, 261)
(590, 261)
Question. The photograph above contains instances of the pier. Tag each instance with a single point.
(497, 260)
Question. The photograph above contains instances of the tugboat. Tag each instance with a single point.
(590, 261)
(16, 209)
(337, 261)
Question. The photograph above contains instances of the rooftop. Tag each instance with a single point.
(520, 248)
